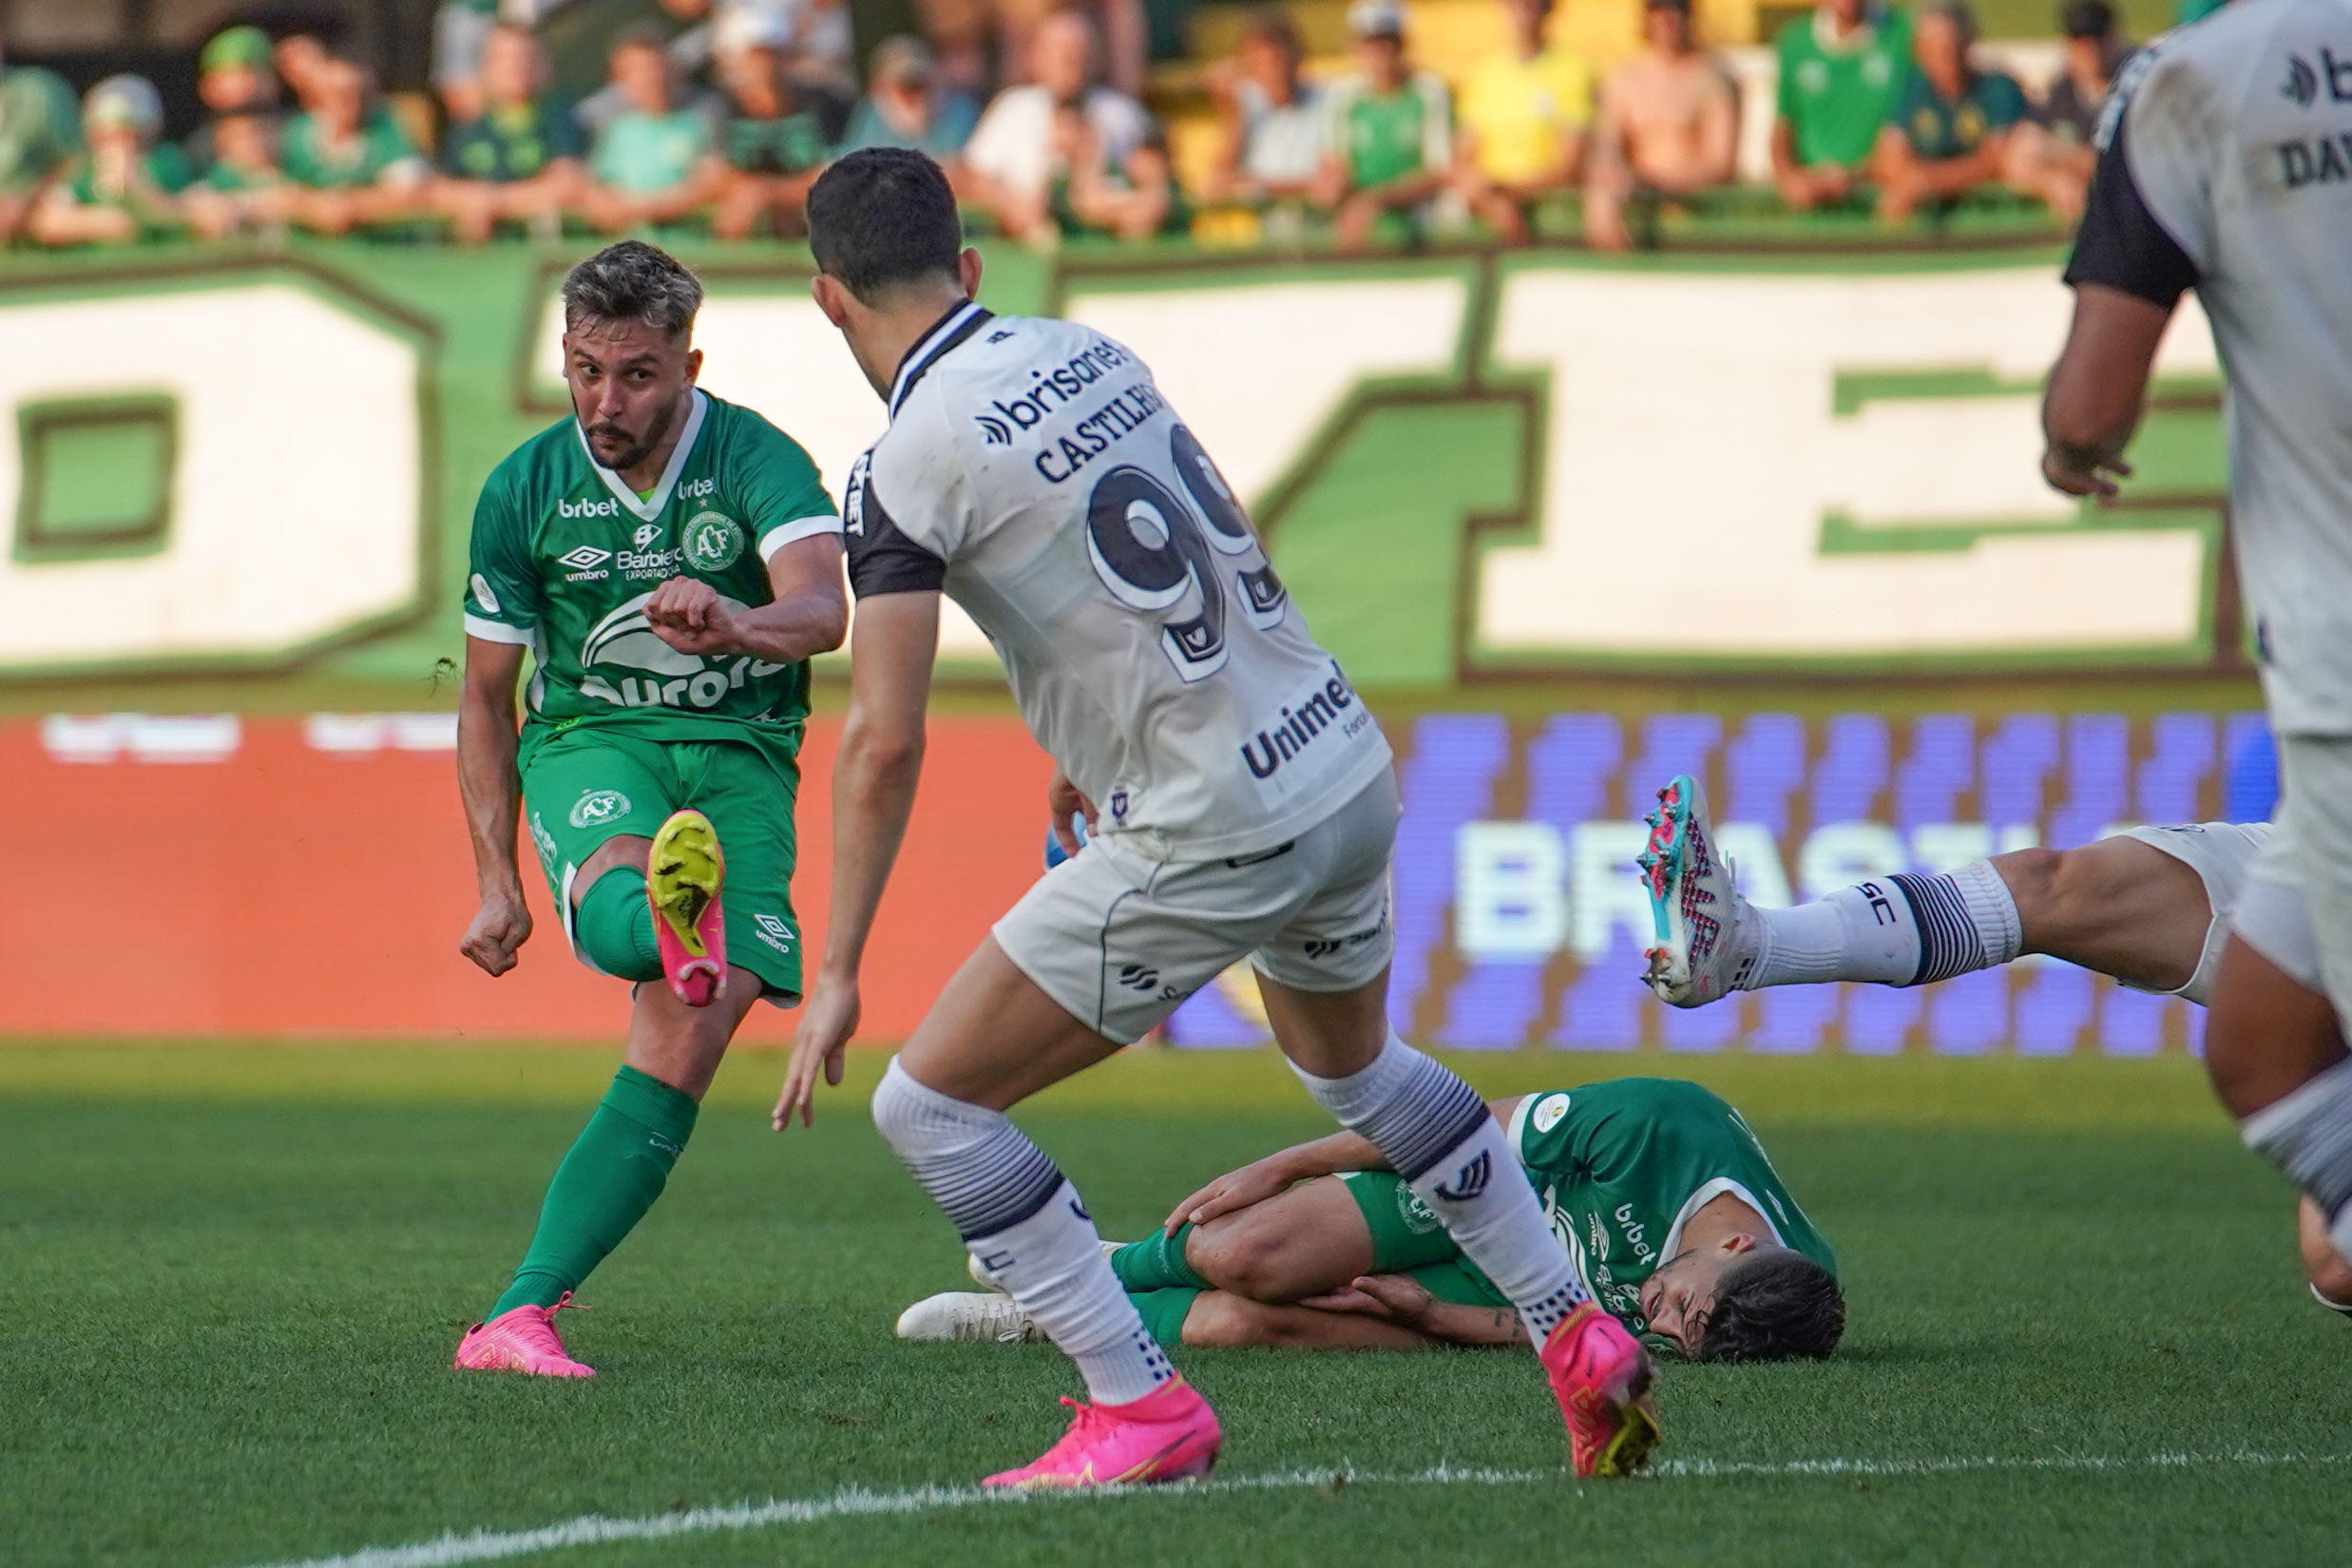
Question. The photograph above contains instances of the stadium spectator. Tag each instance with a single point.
(350, 160)
(1522, 122)
(1955, 128)
(2096, 50)
(957, 33)
(1013, 159)
(121, 185)
(1275, 123)
(243, 190)
(821, 57)
(303, 59)
(461, 33)
(1840, 70)
(40, 132)
(518, 160)
(1122, 34)
(908, 105)
(1389, 141)
(234, 78)
(1667, 128)
(1132, 197)
(653, 162)
(773, 146)
(681, 29)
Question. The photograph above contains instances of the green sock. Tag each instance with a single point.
(615, 1169)
(1164, 1313)
(1157, 1263)
(614, 926)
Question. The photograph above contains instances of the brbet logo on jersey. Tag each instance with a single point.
(712, 542)
(597, 807)
(587, 508)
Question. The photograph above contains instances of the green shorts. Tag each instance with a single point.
(1408, 1238)
(583, 785)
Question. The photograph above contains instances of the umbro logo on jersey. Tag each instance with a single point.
(583, 558)
(587, 508)
(1470, 1180)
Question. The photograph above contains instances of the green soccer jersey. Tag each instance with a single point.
(1835, 92)
(1623, 1165)
(566, 556)
(1388, 136)
(1937, 127)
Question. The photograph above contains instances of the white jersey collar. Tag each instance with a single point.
(949, 330)
(646, 510)
(1707, 1193)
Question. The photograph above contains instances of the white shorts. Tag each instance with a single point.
(2296, 907)
(2223, 855)
(1119, 940)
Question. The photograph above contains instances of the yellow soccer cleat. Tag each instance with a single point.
(683, 877)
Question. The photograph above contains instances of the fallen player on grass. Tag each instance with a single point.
(1664, 1200)
(2151, 908)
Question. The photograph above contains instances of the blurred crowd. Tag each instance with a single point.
(719, 114)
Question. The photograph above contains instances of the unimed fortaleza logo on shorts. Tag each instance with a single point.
(599, 806)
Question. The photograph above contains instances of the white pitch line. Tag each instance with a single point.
(857, 1503)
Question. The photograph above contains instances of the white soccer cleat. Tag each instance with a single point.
(987, 1281)
(1707, 935)
(972, 1316)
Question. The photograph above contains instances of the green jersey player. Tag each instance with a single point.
(1668, 1207)
(670, 560)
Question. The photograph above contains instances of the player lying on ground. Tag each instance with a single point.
(1033, 470)
(1663, 1199)
(2151, 907)
(671, 561)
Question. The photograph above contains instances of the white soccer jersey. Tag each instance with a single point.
(2229, 168)
(1033, 472)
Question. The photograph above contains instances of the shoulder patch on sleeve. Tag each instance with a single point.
(1548, 1111)
(882, 559)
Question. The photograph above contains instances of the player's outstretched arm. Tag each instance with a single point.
(492, 792)
(808, 615)
(874, 778)
(1279, 1171)
(1404, 1300)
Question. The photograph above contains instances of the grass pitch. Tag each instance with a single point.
(232, 1279)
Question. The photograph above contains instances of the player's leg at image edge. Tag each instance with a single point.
(665, 926)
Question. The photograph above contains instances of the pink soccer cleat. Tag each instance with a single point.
(1601, 1375)
(1170, 1434)
(683, 876)
(521, 1339)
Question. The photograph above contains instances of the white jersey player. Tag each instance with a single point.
(1240, 796)
(2226, 167)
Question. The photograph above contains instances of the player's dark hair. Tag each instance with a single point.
(882, 217)
(633, 281)
(2087, 19)
(1774, 1306)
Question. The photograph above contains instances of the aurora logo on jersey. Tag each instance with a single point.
(664, 677)
(1325, 709)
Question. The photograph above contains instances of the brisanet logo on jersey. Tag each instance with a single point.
(1297, 734)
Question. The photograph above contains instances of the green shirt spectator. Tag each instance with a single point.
(164, 167)
(40, 128)
(1840, 71)
(641, 153)
(319, 160)
(786, 145)
(1939, 128)
(510, 142)
(1392, 135)
(1387, 136)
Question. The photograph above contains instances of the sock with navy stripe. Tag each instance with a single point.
(1435, 1132)
(1894, 930)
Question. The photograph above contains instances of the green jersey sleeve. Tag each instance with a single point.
(501, 588)
(781, 489)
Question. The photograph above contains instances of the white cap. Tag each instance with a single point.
(1376, 19)
(739, 28)
(124, 100)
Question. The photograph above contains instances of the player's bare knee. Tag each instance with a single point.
(630, 852)
(1249, 1259)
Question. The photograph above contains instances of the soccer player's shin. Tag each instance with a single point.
(1894, 930)
(1157, 1263)
(614, 926)
(1018, 1214)
(2309, 1134)
(1436, 1133)
(616, 1168)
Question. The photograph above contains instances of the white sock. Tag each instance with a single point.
(1436, 1133)
(1895, 930)
(1053, 1264)
(1025, 1222)
(2309, 1134)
